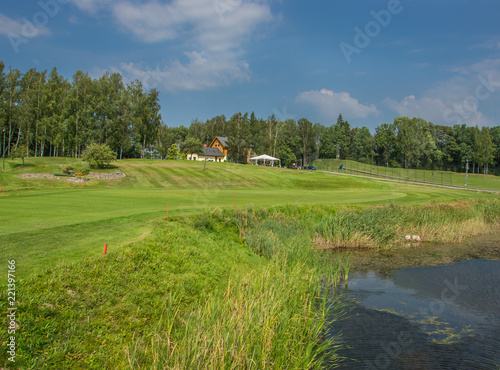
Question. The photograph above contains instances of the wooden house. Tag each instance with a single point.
(220, 142)
(216, 151)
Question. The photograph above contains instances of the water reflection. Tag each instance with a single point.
(436, 317)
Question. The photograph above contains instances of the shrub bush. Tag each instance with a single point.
(98, 155)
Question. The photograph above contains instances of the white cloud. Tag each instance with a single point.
(439, 111)
(213, 33)
(431, 109)
(487, 67)
(493, 43)
(8, 25)
(91, 6)
(198, 74)
(457, 100)
(199, 20)
(23, 28)
(331, 104)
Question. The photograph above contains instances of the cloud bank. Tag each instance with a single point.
(331, 104)
(457, 100)
(212, 34)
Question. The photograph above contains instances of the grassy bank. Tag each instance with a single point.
(223, 289)
(190, 295)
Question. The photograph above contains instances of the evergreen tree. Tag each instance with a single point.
(173, 152)
(342, 138)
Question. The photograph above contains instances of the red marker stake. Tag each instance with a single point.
(105, 248)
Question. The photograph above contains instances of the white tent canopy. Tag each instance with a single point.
(265, 157)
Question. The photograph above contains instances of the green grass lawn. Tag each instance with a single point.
(474, 181)
(220, 288)
(44, 222)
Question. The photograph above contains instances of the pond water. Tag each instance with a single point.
(427, 307)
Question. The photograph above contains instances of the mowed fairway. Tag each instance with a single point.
(50, 221)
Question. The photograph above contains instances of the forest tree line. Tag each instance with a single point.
(51, 116)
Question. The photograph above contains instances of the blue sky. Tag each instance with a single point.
(369, 60)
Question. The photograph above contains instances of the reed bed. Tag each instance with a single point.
(388, 226)
(264, 320)
(273, 317)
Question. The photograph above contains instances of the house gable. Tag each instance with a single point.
(220, 142)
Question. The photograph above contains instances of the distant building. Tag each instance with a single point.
(216, 151)
(209, 154)
(220, 142)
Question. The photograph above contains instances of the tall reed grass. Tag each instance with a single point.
(269, 319)
(387, 226)
(274, 317)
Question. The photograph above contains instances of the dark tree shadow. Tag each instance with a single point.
(106, 167)
(16, 166)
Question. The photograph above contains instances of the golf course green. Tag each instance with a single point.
(46, 221)
(207, 263)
